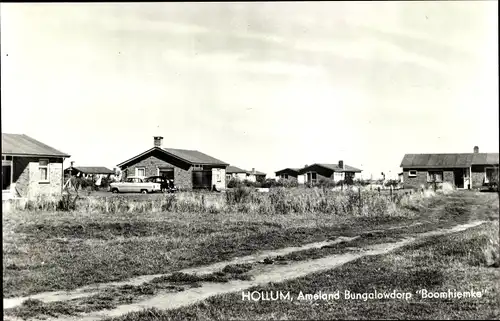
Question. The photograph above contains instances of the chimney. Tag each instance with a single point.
(72, 163)
(476, 149)
(253, 170)
(158, 141)
(341, 164)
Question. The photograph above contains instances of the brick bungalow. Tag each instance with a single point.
(30, 168)
(190, 169)
(464, 170)
(336, 172)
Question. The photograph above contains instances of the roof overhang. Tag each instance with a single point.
(335, 170)
(287, 169)
(35, 155)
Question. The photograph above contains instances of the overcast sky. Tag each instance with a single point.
(263, 85)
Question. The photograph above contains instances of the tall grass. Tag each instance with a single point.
(242, 199)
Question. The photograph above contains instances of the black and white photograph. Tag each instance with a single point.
(279, 160)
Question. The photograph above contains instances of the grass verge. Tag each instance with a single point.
(458, 262)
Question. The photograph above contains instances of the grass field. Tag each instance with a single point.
(48, 250)
(459, 262)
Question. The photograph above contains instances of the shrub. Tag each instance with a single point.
(237, 195)
(391, 182)
(269, 182)
(326, 182)
(234, 182)
(67, 202)
(362, 182)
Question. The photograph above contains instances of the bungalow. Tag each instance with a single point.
(235, 172)
(241, 174)
(336, 172)
(30, 168)
(189, 169)
(464, 170)
(89, 171)
(290, 173)
(256, 176)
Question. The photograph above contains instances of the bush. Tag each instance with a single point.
(269, 182)
(234, 182)
(362, 182)
(391, 182)
(237, 195)
(326, 182)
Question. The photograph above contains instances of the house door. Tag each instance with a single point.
(202, 179)
(459, 174)
(168, 173)
(6, 174)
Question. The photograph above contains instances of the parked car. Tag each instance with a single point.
(167, 185)
(134, 184)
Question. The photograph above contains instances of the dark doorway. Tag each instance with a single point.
(202, 179)
(168, 173)
(6, 175)
(458, 175)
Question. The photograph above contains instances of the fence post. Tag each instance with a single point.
(391, 191)
(378, 188)
(359, 196)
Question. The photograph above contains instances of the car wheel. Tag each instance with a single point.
(144, 191)
(114, 191)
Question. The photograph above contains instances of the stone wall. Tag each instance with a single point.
(26, 177)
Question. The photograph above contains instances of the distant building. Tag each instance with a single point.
(464, 170)
(291, 174)
(30, 168)
(242, 174)
(336, 172)
(93, 172)
(255, 176)
(235, 172)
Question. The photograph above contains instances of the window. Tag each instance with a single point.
(312, 177)
(284, 176)
(412, 174)
(43, 167)
(491, 175)
(198, 167)
(140, 171)
(435, 176)
(218, 176)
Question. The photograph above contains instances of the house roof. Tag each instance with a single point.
(334, 167)
(186, 155)
(289, 169)
(233, 170)
(194, 156)
(23, 145)
(256, 173)
(93, 170)
(449, 160)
